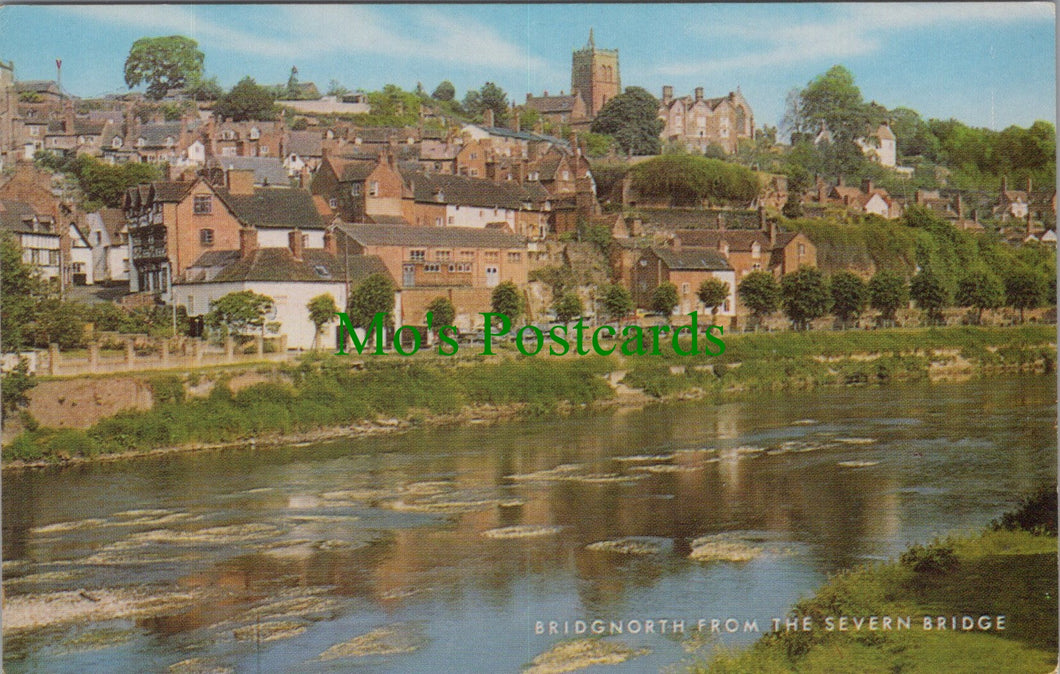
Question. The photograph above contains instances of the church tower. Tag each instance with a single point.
(594, 75)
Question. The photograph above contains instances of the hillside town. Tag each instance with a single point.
(163, 203)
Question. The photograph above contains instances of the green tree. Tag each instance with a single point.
(57, 322)
(21, 291)
(105, 184)
(1024, 289)
(664, 298)
(292, 91)
(930, 293)
(712, 293)
(597, 144)
(204, 89)
(805, 296)
(760, 293)
(567, 306)
(374, 295)
(507, 299)
(833, 101)
(445, 91)
(887, 294)
(237, 312)
(336, 89)
(14, 385)
(980, 289)
(849, 295)
(246, 101)
(489, 97)
(616, 300)
(632, 119)
(443, 313)
(163, 63)
(322, 310)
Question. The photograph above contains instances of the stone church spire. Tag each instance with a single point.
(590, 44)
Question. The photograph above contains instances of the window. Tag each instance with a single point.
(438, 222)
(254, 133)
(452, 268)
(515, 257)
(467, 255)
(432, 268)
(191, 305)
(464, 267)
(566, 175)
(228, 152)
(451, 219)
(491, 255)
(206, 237)
(474, 173)
(322, 271)
(684, 288)
(802, 249)
(373, 188)
(443, 255)
(263, 151)
(35, 131)
(418, 255)
(116, 142)
(355, 190)
(53, 257)
(333, 203)
(203, 204)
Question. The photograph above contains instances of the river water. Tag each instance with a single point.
(452, 549)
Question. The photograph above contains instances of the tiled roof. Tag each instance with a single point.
(267, 170)
(551, 104)
(464, 191)
(696, 218)
(169, 192)
(113, 221)
(390, 235)
(388, 220)
(155, 135)
(440, 152)
(17, 216)
(693, 258)
(305, 143)
(278, 264)
(738, 239)
(352, 170)
(268, 207)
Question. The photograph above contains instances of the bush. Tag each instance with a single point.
(936, 558)
(1036, 514)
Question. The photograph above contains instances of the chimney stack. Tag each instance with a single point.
(1004, 183)
(668, 94)
(960, 207)
(516, 122)
(762, 218)
(487, 117)
(866, 186)
(248, 242)
(721, 222)
(840, 181)
(296, 242)
(331, 246)
(1029, 186)
(677, 244)
(240, 181)
(699, 93)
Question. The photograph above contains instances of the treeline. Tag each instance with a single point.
(101, 184)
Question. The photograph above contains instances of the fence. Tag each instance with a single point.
(139, 353)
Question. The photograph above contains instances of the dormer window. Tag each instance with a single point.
(228, 134)
(80, 140)
(169, 141)
(116, 142)
(141, 141)
(255, 133)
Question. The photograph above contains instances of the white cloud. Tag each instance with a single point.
(290, 32)
(850, 30)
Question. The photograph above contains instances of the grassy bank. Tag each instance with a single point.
(328, 392)
(1009, 570)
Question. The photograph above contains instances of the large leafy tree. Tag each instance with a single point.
(322, 310)
(445, 91)
(712, 293)
(760, 293)
(246, 100)
(887, 293)
(21, 291)
(685, 180)
(980, 289)
(632, 119)
(163, 63)
(832, 101)
(567, 306)
(805, 295)
(238, 312)
(1024, 289)
(507, 300)
(664, 298)
(930, 293)
(849, 295)
(616, 300)
(374, 295)
(489, 97)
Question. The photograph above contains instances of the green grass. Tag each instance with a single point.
(327, 391)
(1010, 573)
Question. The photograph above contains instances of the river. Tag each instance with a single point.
(453, 549)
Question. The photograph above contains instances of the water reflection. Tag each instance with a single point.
(327, 542)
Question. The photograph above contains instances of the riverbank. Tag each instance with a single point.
(995, 593)
(325, 397)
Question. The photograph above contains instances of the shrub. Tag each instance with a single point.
(1036, 514)
(936, 558)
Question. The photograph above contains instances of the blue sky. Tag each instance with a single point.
(987, 64)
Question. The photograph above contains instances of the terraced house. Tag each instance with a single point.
(171, 224)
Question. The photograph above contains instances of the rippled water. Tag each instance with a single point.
(445, 548)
